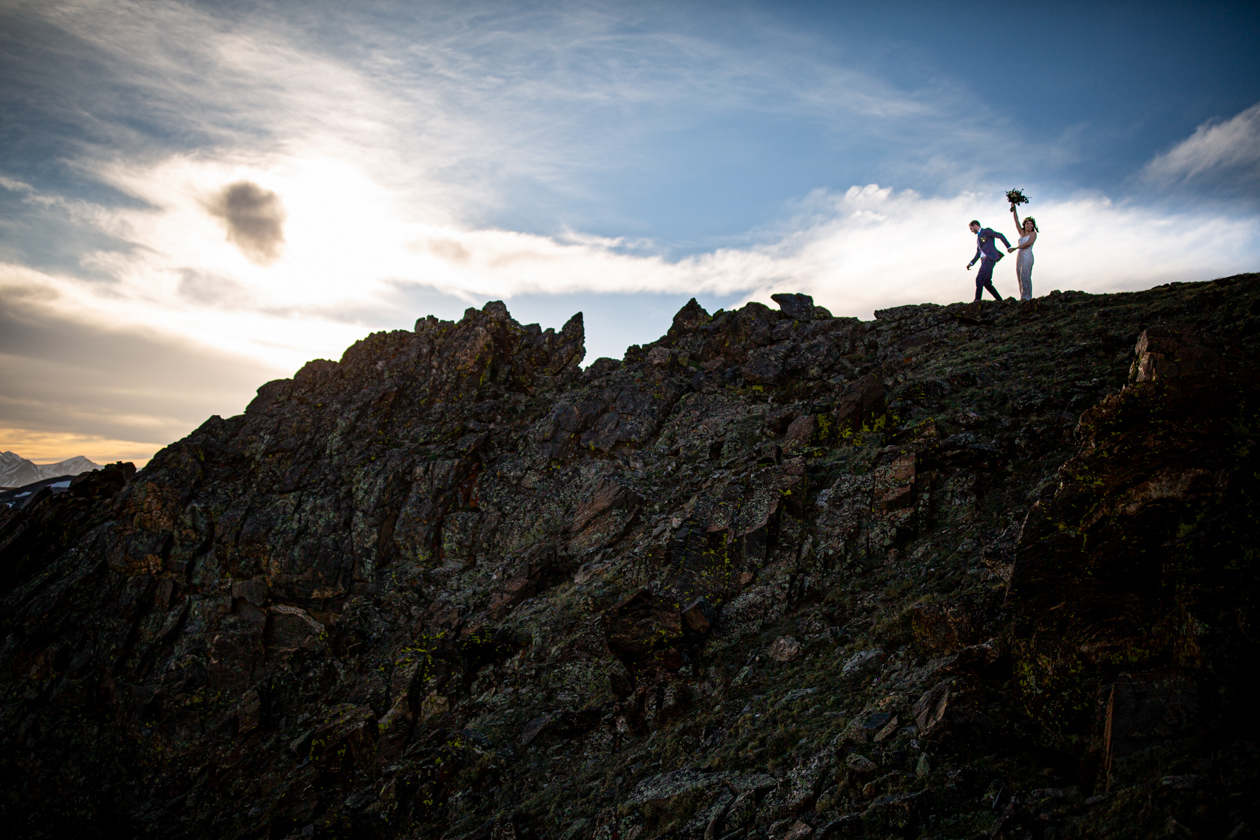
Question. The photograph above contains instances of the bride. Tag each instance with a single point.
(1024, 262)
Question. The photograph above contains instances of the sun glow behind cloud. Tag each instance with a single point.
(350, 245)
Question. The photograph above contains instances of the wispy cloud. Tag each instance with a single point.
(69, 369)
(1221, 155)
(463, 106)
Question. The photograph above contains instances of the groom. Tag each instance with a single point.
(988, 254)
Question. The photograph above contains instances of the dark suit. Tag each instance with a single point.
(988, 254)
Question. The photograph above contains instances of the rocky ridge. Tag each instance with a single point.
(959, 571)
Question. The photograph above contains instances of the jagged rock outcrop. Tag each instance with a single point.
(1133, 596)
(776, 574)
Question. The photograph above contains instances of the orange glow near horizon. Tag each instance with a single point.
(51, 447)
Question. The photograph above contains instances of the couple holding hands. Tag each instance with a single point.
(988, 254)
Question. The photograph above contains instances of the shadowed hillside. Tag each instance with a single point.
(955, 572)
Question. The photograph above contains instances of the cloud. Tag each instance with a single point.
(81, 374)
(42, 446)
(479, 115)
(255, 220)
(13, 185)
(348, 263)
(399, 150)
(148, 357)
(1224, 155)
(214, 290)
(873, 247)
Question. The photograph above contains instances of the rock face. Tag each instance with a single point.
(955, 571)
(1132, 592)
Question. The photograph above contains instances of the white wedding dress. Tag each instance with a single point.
(1023, 269)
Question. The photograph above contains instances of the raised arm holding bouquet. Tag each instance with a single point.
(1027, 236)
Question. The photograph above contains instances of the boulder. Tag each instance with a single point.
(666, 787)
(784, 649)
(699, 615)
(797, 306)
(800, 431)
(640, 625)
(289, 628)
(929, 710)
(345, 739)
(806, 779)
(860, 404)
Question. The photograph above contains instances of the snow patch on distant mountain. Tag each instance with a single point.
(16, 471)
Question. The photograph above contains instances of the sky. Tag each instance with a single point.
(198, 197)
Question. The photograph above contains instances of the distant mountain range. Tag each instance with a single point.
(16, 471)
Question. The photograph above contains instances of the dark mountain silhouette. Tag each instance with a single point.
(956, 572)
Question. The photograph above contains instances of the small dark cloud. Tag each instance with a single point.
(255, 220)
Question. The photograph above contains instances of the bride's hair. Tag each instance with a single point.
(1034, 221)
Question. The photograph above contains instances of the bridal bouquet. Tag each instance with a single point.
(1016, 198)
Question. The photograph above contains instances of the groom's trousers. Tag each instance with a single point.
(984, 279)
